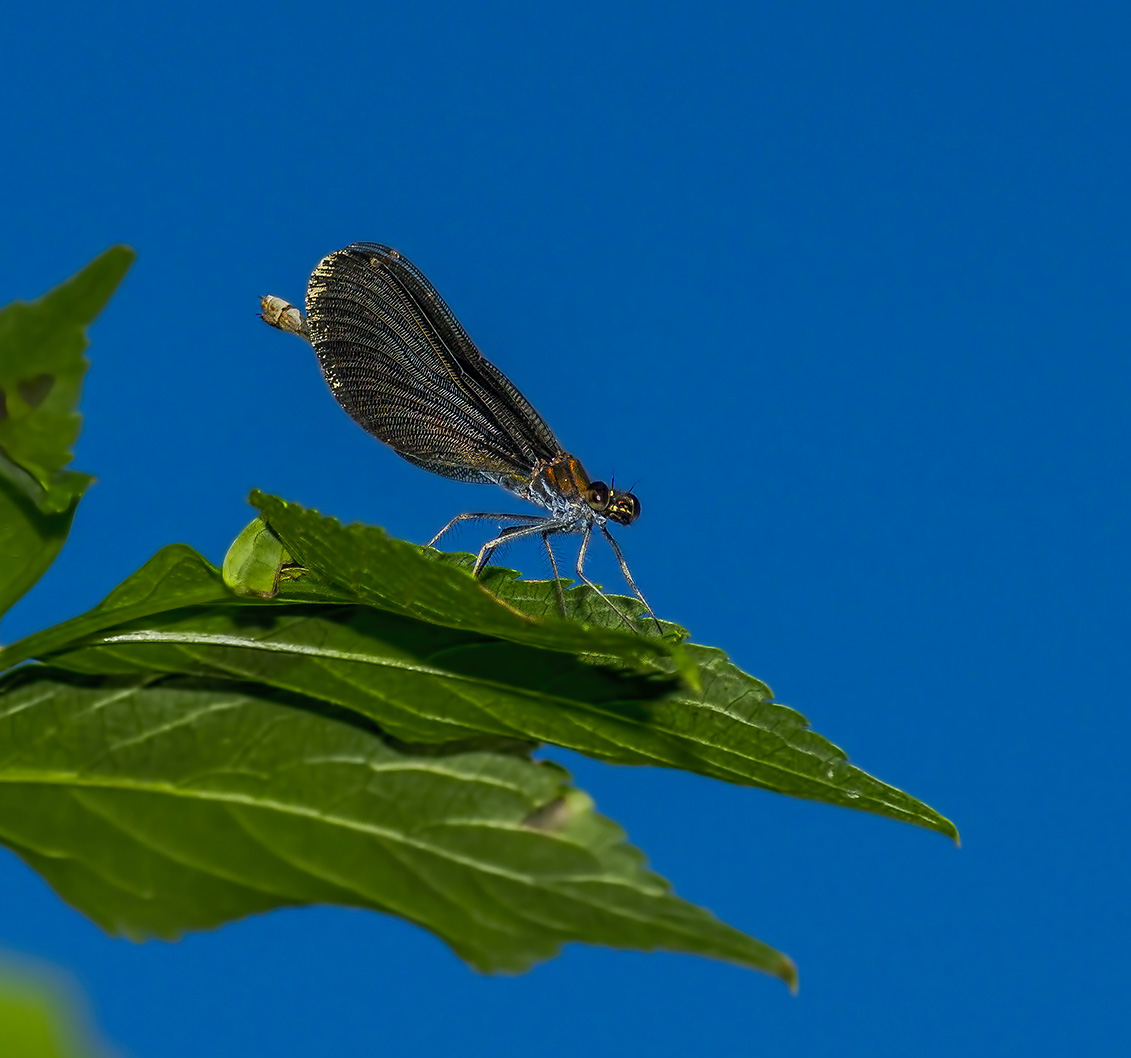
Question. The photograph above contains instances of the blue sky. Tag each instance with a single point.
(841, 289)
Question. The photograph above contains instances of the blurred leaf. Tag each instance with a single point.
(37, 1018)
(426, 683)
(159, 807)
(41, 371)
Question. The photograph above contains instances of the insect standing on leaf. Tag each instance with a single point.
(404, 369)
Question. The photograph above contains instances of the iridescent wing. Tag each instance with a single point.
(405, 370)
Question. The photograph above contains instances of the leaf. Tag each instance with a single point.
(257, 565)
(426, 683)
(367, 565)
(256, 562)
(418, 682)
(41, 371)
(159, 807)
(30, 540)
(748, 737)
(175, 577)
(38, 1017)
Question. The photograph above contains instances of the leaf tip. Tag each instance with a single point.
(121, 253)
(787, 971)
(946, 827)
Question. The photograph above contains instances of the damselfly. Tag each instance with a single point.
(399, 362)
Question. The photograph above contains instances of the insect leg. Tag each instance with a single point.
(587, 532)
(511, 532)
(628, 577)
(481, 516)
(554, 567)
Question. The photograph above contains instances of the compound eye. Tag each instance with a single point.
(597, 495)
(624, 508)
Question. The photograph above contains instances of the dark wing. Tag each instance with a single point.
(401, 365)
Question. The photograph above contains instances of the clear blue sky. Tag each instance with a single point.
(841, 288)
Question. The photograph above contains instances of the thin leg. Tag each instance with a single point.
(628, 577)
(587, 532)
(481, 516)
(554, 567)
(511, 532)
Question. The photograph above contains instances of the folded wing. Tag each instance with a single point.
(403, 367)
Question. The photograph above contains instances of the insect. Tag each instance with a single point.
(404, 369)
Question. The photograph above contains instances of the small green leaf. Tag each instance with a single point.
(41, 371)
(160, 807)
(256, 562)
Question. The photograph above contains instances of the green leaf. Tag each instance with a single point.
(749, 738)
(41, 371)
(175, 577)
(38, 1019)
(256, 562)
(257, 565)
(30, 540)
(367, 565)
(42, 368)
(159, 807)
(426, 683)
(419, 682)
